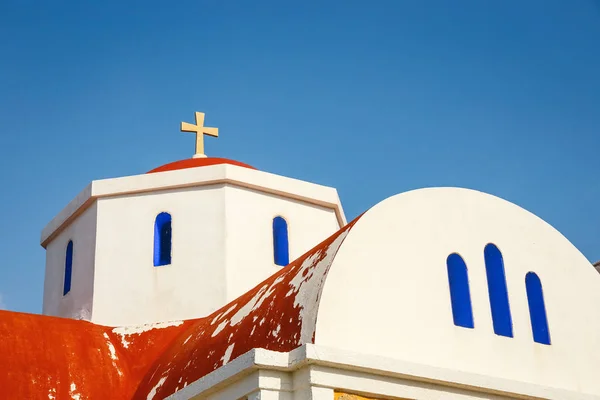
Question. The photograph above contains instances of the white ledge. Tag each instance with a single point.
(195, 177)
(310, 354)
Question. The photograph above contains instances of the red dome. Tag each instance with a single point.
(198, 162)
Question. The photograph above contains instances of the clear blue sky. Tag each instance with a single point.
(371, 97)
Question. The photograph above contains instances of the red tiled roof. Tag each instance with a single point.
(49, 357)
(197, 162)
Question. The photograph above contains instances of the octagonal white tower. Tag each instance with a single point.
(221, 215)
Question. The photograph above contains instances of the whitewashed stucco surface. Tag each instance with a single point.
(249, 239)
(78, 302)
(222, 247)
(387, 291)
(222, 241)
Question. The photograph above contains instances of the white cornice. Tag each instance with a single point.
(195, 177)
(338, 369)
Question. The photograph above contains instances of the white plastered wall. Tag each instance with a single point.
(222, 240)
(222, 246)
(387, 291)
(78, 302)
(249, 234)
(129, 289)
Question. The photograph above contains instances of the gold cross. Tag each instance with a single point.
(200, 130)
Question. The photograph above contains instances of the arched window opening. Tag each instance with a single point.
(162, 239)
(68, 268)
(280, 242)
(498, 292)
(537, 308)
(460, 295)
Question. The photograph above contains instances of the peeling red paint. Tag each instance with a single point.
(198, 162)
(273, 321)
(48, 357)
(45, 357)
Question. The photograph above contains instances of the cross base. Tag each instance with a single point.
(200, 156)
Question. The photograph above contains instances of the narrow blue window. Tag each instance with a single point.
(460, 295)
(280, 241)
(162, 239)
(496, 279)
(537, 308)
(68, 268)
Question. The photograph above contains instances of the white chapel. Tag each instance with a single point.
(209, 279)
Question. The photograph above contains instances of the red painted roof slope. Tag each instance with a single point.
(45, 357)
(279, 314)
(198, 162)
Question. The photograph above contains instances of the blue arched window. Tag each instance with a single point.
(281, 250)
(496, 279)
(460, 295)
(68, 268)
(162, 239)
(537, 308)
